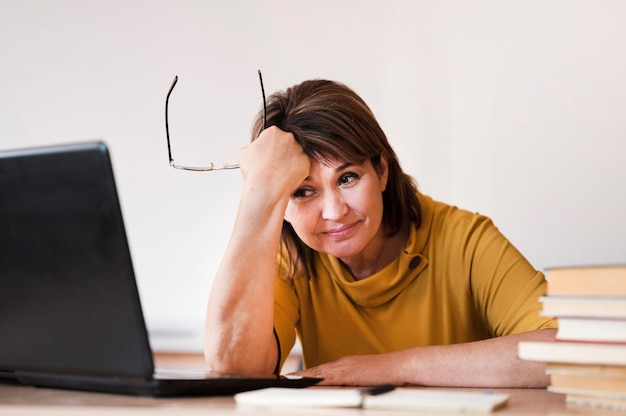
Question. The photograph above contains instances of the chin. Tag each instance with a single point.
(344, 252)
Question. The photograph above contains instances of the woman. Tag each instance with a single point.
(381, 283)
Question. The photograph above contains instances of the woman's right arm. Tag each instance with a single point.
(239, 322)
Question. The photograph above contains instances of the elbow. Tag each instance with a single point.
(219, 359)
(227, 360)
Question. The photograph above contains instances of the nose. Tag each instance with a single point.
(334, 206)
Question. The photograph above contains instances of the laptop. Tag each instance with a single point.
(70, 312)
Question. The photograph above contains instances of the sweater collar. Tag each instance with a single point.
(385, 285)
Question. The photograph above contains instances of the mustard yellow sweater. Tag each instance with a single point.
(458, 280)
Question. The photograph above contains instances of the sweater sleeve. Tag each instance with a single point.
(504, 285)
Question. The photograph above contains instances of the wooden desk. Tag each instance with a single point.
(23, 400)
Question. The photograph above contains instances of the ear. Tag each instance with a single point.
(383, 172)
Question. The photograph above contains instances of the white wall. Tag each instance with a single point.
(515, 109)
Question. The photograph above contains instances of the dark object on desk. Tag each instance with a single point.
(70, 313)
(376, 390)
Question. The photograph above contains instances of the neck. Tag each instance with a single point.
(378, 255)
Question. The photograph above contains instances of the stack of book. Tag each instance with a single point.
(587, 360)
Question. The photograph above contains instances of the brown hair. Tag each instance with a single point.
(331, 122)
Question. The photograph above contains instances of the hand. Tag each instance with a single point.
(274, 160)
(355, 370)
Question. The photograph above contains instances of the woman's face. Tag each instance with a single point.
(338, 209)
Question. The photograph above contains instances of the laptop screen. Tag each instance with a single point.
(68, 299)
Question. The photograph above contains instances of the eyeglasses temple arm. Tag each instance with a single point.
(264, 103)
(167, 127)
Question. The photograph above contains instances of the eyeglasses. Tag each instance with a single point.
(211, 166)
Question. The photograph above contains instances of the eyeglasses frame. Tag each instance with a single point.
(211, 167)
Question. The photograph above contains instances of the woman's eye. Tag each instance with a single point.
(303, 193)
(348, 179)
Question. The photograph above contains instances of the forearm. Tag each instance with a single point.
(489, 363)
(239, 317)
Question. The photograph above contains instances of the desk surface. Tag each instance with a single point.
(23, 400)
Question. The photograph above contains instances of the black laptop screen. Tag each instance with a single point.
(67, 287)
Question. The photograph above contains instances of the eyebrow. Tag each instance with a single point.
(338, 169)
(342, 167)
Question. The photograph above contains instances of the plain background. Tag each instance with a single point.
(514, 109)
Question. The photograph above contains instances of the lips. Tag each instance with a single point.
(340, 232)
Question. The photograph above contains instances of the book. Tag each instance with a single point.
(587, 370)
(587, 280)
(589, 385)
(614, 387)
(591, 330)
(573, 352)
(404, 398)
(584, 306)
(587, 359)
(433, 400)
(596, 402)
